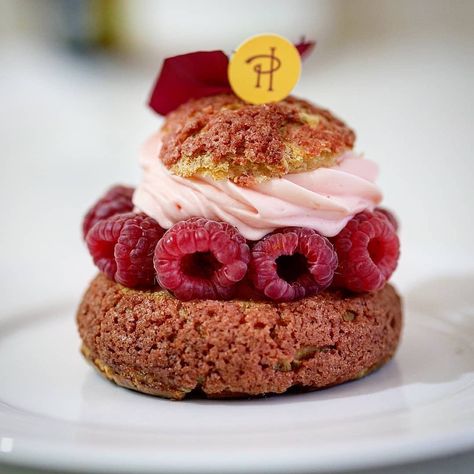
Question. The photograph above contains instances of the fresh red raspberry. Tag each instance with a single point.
(292, 263)
(122, 247)
(116, 200)
(389, 215)
(368, 250)
(200, 258)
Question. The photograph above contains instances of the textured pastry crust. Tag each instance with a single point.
(151, 342)
(225, 138)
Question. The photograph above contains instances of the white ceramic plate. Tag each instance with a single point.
(55, 411)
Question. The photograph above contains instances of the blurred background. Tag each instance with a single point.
(75, 77)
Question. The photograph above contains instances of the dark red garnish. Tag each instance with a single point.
(305, 47)
(189, 76)
(193, 75)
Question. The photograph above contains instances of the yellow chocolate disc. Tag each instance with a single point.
(264, 68)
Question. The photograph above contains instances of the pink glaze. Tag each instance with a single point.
(324, 199)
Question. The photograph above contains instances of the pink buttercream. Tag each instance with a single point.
(324, 199)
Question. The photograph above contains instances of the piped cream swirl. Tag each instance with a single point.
(324, 199)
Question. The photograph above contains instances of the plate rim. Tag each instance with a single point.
(39, 453)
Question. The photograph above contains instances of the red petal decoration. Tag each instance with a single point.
(194, 75)
(189, 76)
(305, 47)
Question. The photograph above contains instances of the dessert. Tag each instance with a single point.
(251, 259)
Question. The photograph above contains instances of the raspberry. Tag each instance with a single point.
(116, 200)
(200, 258)
(389, 215)
(292, 263)
(368, 250)
(122, 247)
